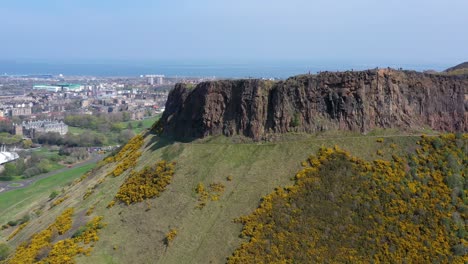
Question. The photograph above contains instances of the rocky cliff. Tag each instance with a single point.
(358, 101)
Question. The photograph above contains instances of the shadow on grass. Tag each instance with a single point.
(158, 142)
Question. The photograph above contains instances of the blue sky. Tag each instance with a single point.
(359, 31)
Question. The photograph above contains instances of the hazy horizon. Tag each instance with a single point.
(258, 69)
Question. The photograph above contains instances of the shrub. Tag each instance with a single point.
(12, 222)
(111, 204)
(127, 156)
(147, 183)
(90, 210)
(170, 236)
(87, 194)
(59, 201)
(295, 122)
(53, 194)
(25, 219)
(40, 243)
(40, 248)
(13, 234)
(215, 190)
(64, 221)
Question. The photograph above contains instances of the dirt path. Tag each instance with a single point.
(7, 186)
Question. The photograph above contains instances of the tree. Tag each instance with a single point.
(117, 127)
(6, 126)
(27, 143)
(10, 169)
(125, 116)
(126, 135)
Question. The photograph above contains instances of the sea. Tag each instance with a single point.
(274, 69)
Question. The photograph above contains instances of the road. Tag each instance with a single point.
(8, 186)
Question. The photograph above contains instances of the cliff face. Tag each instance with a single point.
(358, 101)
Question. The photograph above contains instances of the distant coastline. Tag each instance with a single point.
(222, 70)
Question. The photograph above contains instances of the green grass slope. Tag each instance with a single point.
(248, 171)
(208, 234)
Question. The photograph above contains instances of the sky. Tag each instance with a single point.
(358, 31)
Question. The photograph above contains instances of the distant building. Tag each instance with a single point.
(18, 129)
(60, 87)
(7, 156)
(20, 111)
(32, 128)
(49, 88)
(159, 79)
(71, 87)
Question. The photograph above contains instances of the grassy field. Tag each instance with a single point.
(20, 200)
(53, 156)
(78, 130)
(147, 123)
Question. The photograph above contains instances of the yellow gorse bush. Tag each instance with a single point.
(41, 249)
(17, 230)
(27, 252)
(148, 183)
(170, 236)
(214, 191)
(127, 156)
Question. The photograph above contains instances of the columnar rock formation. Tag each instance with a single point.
(357, 101)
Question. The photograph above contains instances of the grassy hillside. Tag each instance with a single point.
(186, 223)
(459, 69)
(212, 227)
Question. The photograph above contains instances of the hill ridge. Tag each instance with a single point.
(463, 65)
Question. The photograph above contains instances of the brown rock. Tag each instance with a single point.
(358, 101)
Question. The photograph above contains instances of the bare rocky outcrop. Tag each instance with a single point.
(357, 101)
